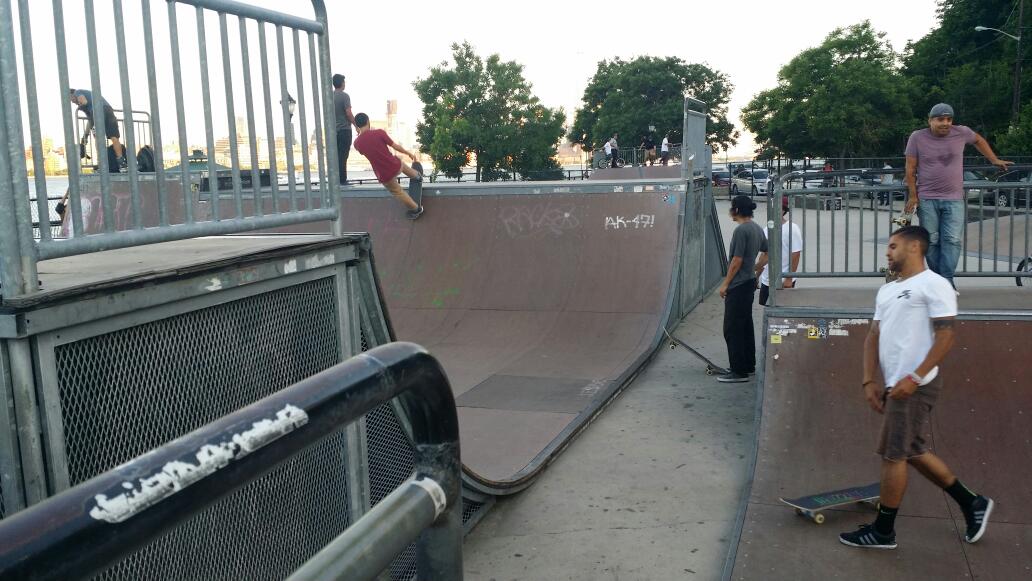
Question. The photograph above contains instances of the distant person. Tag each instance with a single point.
(828, 180)
(615, 147)
(83, 99)
(909, 338)
(885, 198)
(791, 252)
(345, 119)
(648, 144)
(738, 289)
(935, 184)
(664, 149)
(608, 149)
(373, 144)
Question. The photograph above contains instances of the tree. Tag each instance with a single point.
(973, 71)
(483, 112)
(845, 97)
(626, 97)
(1016, 140)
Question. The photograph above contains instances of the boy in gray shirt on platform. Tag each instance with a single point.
(747, 241)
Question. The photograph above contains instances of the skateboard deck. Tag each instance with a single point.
(711, 368)
(812, 505)
(903, 219)
(415, 188)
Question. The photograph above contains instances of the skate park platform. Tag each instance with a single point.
(542, 302)
(816, 433)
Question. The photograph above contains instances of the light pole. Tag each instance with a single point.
(1016, 97)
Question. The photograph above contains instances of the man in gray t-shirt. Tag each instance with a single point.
(747, 241)
(345, 119)
(935, 184)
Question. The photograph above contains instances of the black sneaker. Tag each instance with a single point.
(867, 538)
(414, 214)
(978, 518)
(732, 377)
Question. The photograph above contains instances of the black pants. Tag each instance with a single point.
(738, 327)
(764, 294)
(616, 154)
(343, 150)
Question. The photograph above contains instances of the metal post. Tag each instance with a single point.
(17, 251)
(252, 139)
(1016, 101)
(332, 186)
(234, 155)
(209, 134)
(177, 83)
(127, 116)
(155, 125)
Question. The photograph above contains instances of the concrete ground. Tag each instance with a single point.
(649, 491)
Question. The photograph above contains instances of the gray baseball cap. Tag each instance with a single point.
(941, 110)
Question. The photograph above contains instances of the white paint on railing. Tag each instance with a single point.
(177, 475)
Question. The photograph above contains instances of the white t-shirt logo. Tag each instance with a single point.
(904, 295)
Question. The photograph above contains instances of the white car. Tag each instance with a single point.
(755, 182)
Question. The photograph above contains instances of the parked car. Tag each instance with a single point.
(983, 193)
(721, 178)
(755, 182)
(1016, 197)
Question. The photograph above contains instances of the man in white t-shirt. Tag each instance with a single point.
(791, 251)
(664, 149)
(910, 335)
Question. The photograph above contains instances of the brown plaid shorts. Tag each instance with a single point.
(906, 425)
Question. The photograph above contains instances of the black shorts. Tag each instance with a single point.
(110, 123)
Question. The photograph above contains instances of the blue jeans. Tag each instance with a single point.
(944, 220)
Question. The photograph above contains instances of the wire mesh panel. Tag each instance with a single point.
(391, 462)
(125, 392)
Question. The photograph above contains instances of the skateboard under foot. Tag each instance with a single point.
(415, 187)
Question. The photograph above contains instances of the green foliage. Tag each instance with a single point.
(845, 97)
(1016, 140)
(483, 112)
(626, 97)
(973, 71)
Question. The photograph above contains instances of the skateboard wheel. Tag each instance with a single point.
(709, 371)
(818, 518)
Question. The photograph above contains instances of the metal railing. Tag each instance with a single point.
(637, 156)
(117, 219)
(83, 530)
(846, 225)
(141, 129)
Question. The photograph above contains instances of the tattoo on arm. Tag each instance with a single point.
(942, 324)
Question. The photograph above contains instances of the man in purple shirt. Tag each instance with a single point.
(935, 181)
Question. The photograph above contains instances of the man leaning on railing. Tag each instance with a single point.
(935, 184)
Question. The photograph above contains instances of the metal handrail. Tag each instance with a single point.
(120, 219)
(986, 250)
(83, 530)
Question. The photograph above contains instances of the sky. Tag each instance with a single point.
(383, 47)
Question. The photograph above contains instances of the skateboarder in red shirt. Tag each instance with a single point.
(373, 144)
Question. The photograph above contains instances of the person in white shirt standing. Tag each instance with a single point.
(791, 251)
(910, 335)
(664, 149)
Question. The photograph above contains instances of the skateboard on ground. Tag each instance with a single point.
(711, 368)
(811, 506)
(415, 187)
